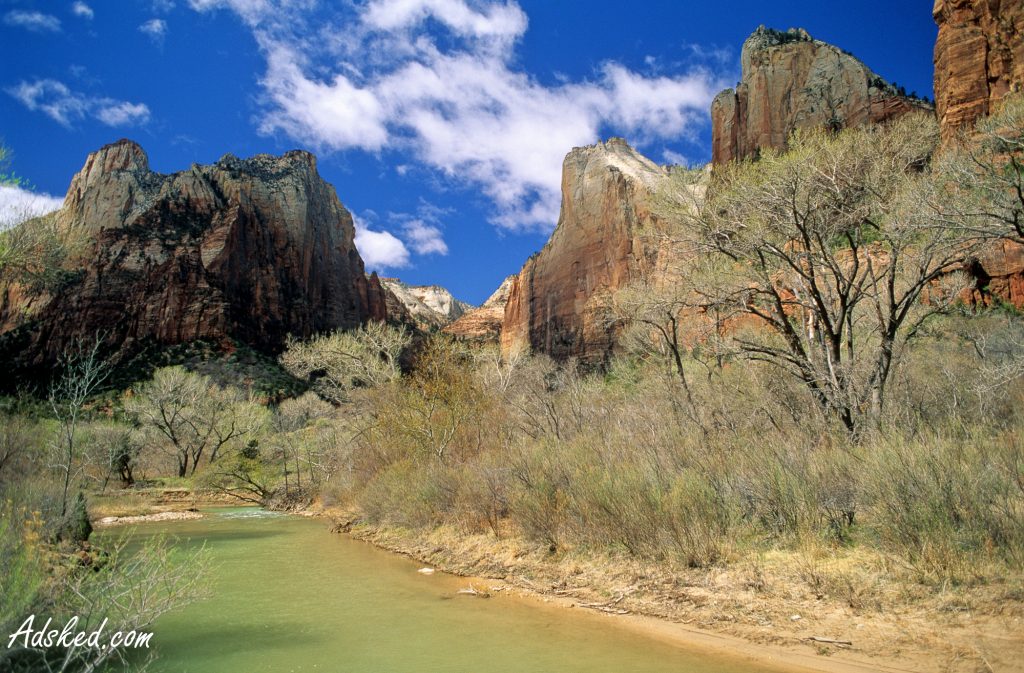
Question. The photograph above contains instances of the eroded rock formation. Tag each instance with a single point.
(791, 81)
(252, 250)
(557, 303)
(427, 307)
(979, 57)
(483, 325)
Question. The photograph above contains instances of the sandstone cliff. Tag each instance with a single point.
(979, 57)
(252, 250)
(557, 303)
(483, 325)
(791, 81)
(427, 307)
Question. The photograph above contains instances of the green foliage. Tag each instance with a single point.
(76, 527)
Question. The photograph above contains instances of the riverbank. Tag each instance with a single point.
(840, 612)
(835, 611)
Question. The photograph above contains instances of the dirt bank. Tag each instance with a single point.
(841, 613)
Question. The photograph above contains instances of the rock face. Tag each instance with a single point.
(252, 249)
(483, 325)
(979, 57)
(998, 275)
(791, 81)
(428, 307)
(557, 303)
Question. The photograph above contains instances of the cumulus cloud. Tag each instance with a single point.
(155, 29)
(34, 21)
(425, 239)
(379, 249)
(83, 10)
(439, 79)
(18, 205)
(54, 99)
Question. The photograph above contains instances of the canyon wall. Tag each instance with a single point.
(979, 57)
(557, 303)
(253, 250)
(792, 81)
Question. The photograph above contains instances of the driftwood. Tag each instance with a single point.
(829, 641)
(608, 606)
(473, 591)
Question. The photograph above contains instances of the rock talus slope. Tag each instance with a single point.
(792, 81)
(252, 249)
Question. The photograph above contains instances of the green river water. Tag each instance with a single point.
(288, 596)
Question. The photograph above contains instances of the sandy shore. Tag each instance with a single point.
(147, 518)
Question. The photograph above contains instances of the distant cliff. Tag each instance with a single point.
(483, 324)
(791, 81)
(979, 57)
(253, 250)
(427, 307)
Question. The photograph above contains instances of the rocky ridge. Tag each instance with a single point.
(253, 250)
(483, 324)
(427, 307)
(791, 81)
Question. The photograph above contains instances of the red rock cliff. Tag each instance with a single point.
(252, 249)
(792, 81)
(556, 305)
(979, 57)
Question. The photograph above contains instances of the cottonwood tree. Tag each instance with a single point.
(342, 361)
(193, 416)
(822, 260)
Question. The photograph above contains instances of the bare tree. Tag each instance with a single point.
(822, 261)
(980, 190)
(82, 372)
(196, 417)
(339, 362)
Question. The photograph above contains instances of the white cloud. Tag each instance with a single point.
(115, 113)
(674, 158)
(439, 79)
(83, 10)
(425, 239)
(64, 106)
(163, 6)
(18, 205)
(34, 21)
(379, 249)
(156, 29)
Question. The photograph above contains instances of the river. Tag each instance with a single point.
(287, 596)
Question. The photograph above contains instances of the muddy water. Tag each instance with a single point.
(287, 595)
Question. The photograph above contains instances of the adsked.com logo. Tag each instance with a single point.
(69, 636)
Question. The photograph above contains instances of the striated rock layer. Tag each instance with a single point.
(426, 307)
(979, 57)
(557, 303)
(792, 81)
(483, 324)
(253, 249)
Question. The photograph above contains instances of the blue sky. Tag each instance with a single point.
(441, 123)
